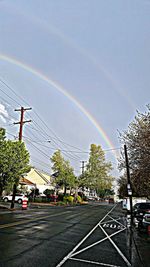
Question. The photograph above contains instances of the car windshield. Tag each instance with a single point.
(144, 206)
(136, 206)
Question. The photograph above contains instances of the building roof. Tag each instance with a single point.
(25, 181)
(37, 177)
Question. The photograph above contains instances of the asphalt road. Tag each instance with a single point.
(90, 235)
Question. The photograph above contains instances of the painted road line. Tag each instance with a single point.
(95, 262)
(113, 226)
(116, 220)
(109, 221)
(31, 220)
(96, 243)
(79, 244)
(115, 246)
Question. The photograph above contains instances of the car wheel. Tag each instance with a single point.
(5, 199)
(19, 201)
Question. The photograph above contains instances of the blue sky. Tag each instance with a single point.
(97, 50)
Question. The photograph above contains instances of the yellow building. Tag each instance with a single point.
(37, 179)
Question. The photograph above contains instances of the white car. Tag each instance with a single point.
(18, 198)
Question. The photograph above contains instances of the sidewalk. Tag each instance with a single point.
(6, 207)
(142, 244)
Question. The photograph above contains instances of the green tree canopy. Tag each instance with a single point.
(2, 134)
(14, 161)
(65, 175)
(137, 140)
(97, 175)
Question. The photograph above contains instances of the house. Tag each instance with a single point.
(37, 179)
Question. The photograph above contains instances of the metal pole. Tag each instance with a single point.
(129, 188)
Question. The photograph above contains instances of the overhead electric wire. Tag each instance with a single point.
(73, 157)
(10, 88)
(38, 149)
(68, 153)
(42, 164)
(9, 96)
(57, 147)
(40, 161)
(7, 102)
(11, 134)
(63, 150)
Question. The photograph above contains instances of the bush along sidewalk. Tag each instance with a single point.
(61, 200)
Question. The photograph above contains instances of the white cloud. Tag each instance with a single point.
(2, 119)
(3, 113)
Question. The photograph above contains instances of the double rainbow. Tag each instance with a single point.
(62, 90)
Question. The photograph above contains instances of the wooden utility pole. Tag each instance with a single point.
(21, 122)
(129, 188)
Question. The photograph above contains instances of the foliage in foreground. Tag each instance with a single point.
(14, 161)
(137, 140)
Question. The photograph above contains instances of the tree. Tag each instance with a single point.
(14, 161)
(97, 174)
(122, 186)
(137, 140)
(65, 176)
(2, 134)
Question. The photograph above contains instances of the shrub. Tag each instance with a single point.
(69, 199)
(38, 200)
(60, 197)
(79, 199)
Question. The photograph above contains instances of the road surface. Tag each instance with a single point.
(89, 235)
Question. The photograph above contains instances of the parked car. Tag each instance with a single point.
(111, 201)
(145, 222)
(52, 198)
(18, 198)
(140, 209)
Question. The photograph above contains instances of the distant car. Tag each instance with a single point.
(111, 201)
(52, 198)
(90, 198)
(18, 198)
(140, 209)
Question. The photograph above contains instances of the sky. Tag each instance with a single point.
(82, 66)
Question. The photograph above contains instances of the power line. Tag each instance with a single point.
(69, 153)
(9, 96)
(64, 143)
(10, 88)
(38, 149)
(58, 139)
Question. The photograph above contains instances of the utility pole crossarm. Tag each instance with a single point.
(23, 122)
(23, 109)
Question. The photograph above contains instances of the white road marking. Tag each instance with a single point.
(115, 246)
(110, 221)
(96, 243)
(113, 226)
(116, 220)
(79, 244)
(94, 262)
